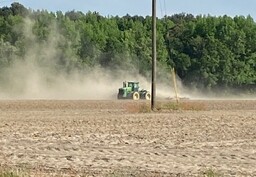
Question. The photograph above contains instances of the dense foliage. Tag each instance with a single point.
(207, 52)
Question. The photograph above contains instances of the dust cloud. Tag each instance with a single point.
(36, 77)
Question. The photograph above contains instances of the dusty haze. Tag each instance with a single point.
(36, 76)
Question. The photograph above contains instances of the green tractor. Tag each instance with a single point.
(131, 90)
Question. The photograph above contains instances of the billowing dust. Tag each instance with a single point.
(29, 81)
(36, 76)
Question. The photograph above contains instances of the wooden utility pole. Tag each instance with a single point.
(153, 88)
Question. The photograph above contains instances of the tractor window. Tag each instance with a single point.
(136, 87)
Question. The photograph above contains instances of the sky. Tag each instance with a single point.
(143, 7)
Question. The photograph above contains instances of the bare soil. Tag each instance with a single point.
(105, 138)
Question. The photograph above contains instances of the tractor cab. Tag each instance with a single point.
(133, 86)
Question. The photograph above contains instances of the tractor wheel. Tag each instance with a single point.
(147, 96)
(135, 96)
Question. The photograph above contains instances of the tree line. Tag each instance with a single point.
(207, 52)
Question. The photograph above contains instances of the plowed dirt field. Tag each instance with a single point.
(111, 138)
